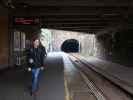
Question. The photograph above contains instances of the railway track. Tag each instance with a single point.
(103, 88)
(98, 95)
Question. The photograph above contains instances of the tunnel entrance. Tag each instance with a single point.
(70, 45)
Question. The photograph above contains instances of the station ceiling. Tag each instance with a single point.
(90, 16)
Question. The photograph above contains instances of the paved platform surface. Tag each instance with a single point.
(119, 74)
(14, 83)
(51, 85)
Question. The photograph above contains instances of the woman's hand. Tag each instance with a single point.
(42, 68)
(29, 69)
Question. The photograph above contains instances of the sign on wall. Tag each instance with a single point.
(26, 20)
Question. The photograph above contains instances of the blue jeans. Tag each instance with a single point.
(35, 76)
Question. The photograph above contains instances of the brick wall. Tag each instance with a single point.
(4, 41)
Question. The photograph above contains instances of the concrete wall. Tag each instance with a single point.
(88, 45)
(116, 47)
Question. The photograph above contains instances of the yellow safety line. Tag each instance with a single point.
(67, 95)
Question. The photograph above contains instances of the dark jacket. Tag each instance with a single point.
(36, 57)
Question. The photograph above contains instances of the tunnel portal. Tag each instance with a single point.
(70, 45)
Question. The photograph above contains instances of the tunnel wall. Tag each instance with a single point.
(60, 36)
(86, 41)
(4, 40)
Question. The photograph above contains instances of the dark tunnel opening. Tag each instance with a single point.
(70, 46)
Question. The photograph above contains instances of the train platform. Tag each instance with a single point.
(15, 83)
(118, 74)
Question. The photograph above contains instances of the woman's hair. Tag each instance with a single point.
(36, 38)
